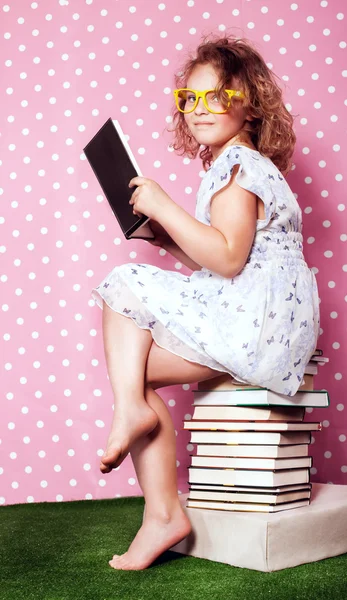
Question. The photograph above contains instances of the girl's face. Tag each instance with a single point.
(214, 130)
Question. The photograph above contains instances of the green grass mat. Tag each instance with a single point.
(60, 551)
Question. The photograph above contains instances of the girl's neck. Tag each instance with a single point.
(234, 141)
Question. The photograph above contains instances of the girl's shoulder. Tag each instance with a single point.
(257, 173)
(254, 167)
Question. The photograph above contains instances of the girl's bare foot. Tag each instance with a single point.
(154, 537)
(126, 428)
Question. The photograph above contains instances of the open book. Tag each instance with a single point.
(114, 164)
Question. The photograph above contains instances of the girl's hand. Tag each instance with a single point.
(149, 198)
(162, 238)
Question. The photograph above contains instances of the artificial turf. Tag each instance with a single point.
(60, 551)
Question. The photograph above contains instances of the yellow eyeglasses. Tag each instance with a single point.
(187, 100)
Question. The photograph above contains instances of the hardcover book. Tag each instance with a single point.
(245, 507)
(265, 464)
(226, 496)
(248, 477)
(114, 164)
(240, 413)
(251, 426)
(255, 451)
(260, 397)
(250, 437)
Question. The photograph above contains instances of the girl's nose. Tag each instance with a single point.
(200, 107)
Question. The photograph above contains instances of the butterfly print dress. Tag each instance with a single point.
(260, 326)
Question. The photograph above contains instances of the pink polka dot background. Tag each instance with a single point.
(66, 66)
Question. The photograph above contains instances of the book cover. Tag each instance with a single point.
(261, 397)
(255, 451)
(250, 437)
(277, 490)
(245, 507)
(251, 426)
(238, 413)
(258, 498)
(265, 464)
(114, 165)
(248, 477)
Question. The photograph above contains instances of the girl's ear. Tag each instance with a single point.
(249, 118)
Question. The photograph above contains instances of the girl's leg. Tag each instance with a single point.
(164, 523)
(126, 350)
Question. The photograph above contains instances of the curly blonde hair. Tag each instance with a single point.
(271, 130)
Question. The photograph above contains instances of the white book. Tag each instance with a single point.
(248, 477)
(266, 464)
(231, 496)
(249, 413)
(255, 451)
(280, 490)
(319, 359)
(260, 397)
(251, 437)
(238, 507)
(251, 426)
(311, 368)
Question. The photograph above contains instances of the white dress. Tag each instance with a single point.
(260, 326)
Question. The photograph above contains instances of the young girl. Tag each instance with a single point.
(250, 307)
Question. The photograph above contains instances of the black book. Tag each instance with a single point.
(114, 164)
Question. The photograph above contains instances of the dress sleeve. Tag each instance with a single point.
(252, 175)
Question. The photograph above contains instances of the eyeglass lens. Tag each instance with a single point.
(187, 101)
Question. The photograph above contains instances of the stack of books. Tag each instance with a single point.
(252, 445)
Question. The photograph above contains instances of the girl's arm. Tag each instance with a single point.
(224, 245)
